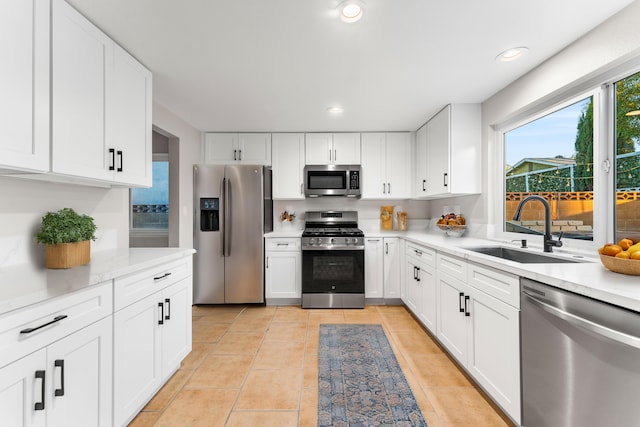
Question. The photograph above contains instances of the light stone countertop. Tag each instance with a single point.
(589, 277)
(24, 285)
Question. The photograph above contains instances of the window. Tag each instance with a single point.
(627, 157)
(150, 206)
(552, 156)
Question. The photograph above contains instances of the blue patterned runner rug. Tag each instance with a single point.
(360, 382)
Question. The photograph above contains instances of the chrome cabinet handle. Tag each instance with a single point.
(168, 315)
(445, 180)
(161, 306)
(240, 155)
(235, 154)
(460, 302)
(418, 275)
(121, 167)
(466, 308)
(386, 245)
(424, 181)
(112, 164)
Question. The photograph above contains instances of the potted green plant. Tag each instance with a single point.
(66, 236)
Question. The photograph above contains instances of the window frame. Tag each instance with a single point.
(602, 181)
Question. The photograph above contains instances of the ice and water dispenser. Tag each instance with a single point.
(210, 214)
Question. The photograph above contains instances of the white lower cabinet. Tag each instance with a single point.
(392, 268)
(151, 337)
(482, 333)
(420, 282)
(82, 375)
(69, 381)
(374, 267)
(283, 268)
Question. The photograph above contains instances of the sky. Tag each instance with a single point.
(549, 136)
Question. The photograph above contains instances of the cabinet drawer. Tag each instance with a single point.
(421, 254)
(35, 327)
(454, 267)
(131, 288)
(503, 286)
(283, 244)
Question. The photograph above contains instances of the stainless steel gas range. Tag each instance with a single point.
(332, 260)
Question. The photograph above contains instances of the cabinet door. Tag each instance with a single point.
(220, 148)
(420, 185)
(427, 307)
(20, 390)
(283, 274)
(176, 325)
(254, 148)
(318, 148)
(494, 350)
(438, 143)
(24, 85)
(80, 377)
(374, 176)
(392, 268)
(287, 165)
(413, 292)
(80, 55)
(129, 119)
(452, 322)
(137, 352)
(398, 161)
(346, 149)
(374, 268)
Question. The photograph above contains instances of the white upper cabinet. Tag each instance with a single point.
(24, 85)
(81, 54)
(420, 162)
(332, 148)
(287, 151)
(76, 105)
(244, 148)
(386, 165)
(129, 119)
(454, 151)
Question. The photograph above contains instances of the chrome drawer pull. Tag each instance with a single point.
(55, 319)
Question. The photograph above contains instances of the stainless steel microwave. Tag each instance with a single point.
(332, 180)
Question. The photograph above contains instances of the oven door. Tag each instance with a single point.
(333, 271)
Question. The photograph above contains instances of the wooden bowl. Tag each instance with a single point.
(621, 265)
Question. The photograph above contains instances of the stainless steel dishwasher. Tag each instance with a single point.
(580, 360)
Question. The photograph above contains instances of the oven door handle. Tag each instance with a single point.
(342, 248)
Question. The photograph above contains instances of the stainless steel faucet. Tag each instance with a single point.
(548, 242)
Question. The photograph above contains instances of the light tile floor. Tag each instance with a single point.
(257, 366)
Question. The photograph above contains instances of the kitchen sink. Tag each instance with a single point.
(520, 256)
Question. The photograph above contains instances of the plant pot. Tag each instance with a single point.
(68, 255)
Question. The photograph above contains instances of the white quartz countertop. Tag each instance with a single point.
(24, 285)
(589, 277)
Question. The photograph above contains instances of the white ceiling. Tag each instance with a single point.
(277, 65)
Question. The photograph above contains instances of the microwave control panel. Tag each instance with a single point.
(354, 180)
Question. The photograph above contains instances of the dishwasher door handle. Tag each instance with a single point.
(581, 322)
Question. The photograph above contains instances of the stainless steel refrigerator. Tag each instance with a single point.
(233, 210)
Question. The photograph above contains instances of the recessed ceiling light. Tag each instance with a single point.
(351, 10)
(335, 110)
(511, 54)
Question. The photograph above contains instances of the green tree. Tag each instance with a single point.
(584, 150)
(627, 126)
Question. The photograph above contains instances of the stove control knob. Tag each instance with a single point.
(332, 240)
(312, 241)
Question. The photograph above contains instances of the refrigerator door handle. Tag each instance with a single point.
(227, 217)
(222, 215)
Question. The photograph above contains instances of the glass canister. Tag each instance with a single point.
(386, 217)
(402, 221)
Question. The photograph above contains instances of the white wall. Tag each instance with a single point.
(24, 202)
(614, 45)
(188, 140)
